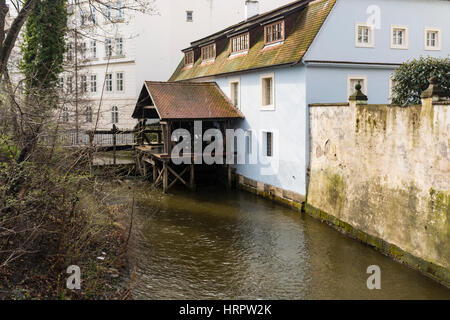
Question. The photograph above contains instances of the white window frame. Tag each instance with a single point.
(89, 114)
(439, 39)
(191, 18)
(123, 81)
(108, 47)
(238, 81)
(351, 77)
(371, 43)
(115, 115)
(93, 83)
(405, 39)
(265, 134)
(119, 46)
(84, 84)
(93, 49)
(270, 107)
(107, 79)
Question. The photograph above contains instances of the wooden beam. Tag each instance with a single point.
(178, 176)
(165, 177)
(192, 177)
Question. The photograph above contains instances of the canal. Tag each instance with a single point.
(215, 244)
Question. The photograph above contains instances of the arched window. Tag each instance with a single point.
(65, 114)
(115, 114)
(89, 114)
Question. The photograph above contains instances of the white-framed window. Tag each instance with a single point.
(70, 84)
(235, 92)
(119, 81)
(82, 17)
(93, 49)
(399, 37)
(433, 39)
(119, 8)
(83, 50)
(88, 114)
(189, 16)
(119, 46)
(65, 114)
(108, 12)
(69, 52)
(249, 141)
(93, 83)
(83, 83)
(61, 83)
(108, 47)
(115, 115)
(268, 143)
(353, 80)
(364, 35)
(109, 82)
(92, 17)
(268, 92)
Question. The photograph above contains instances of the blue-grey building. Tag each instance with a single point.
(273, 65)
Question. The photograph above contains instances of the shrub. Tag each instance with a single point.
(412, 78)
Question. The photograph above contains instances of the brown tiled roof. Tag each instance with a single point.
(306, 25)
(186, 101)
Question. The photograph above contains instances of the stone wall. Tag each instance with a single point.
(382, 174)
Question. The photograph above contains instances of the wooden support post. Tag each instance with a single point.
(114, 133)
(228, 177)
(192, 178)
(165, 177)
(154, 172)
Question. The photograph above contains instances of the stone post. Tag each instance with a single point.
(358, 98)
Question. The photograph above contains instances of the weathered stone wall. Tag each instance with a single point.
(382, 173)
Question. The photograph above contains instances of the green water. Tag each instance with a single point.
(215, 244)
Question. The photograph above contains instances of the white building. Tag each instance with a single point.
(119, 47)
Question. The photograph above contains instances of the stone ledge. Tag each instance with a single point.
(288, 198)
(436, 272)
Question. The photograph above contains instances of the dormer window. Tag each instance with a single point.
(189, 58)
(209, 52)
(274, 32)
(240, 43)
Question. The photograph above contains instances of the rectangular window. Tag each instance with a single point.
(93, 49)
(432, 39)
(83, 50)
(119, 46)
(83, 83)
(92, 17)
(249, 142)
(70, 52)
(274, 32)
(93, 83)
(353, 80)
(269, 144)
(109, 82)
(209, 52)
(240, 43)
(108, 47)
(234, 93)
(364, 36)
(399, 37)
(119, 81)
(82, 17)
(189, 16)
(69, 84)
(119, 9)
(108, 12)
(61, 83)
(189, 58)
(267, 92)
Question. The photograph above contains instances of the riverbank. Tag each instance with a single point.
(99, 250)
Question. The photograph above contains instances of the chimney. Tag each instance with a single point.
(251, 8)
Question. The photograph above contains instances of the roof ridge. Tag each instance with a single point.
(197, 83)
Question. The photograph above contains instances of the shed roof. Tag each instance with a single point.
(308, 19)
(184, 101)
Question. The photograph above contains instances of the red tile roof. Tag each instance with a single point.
(187, 101)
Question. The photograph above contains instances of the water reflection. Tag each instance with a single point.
(218, 245)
